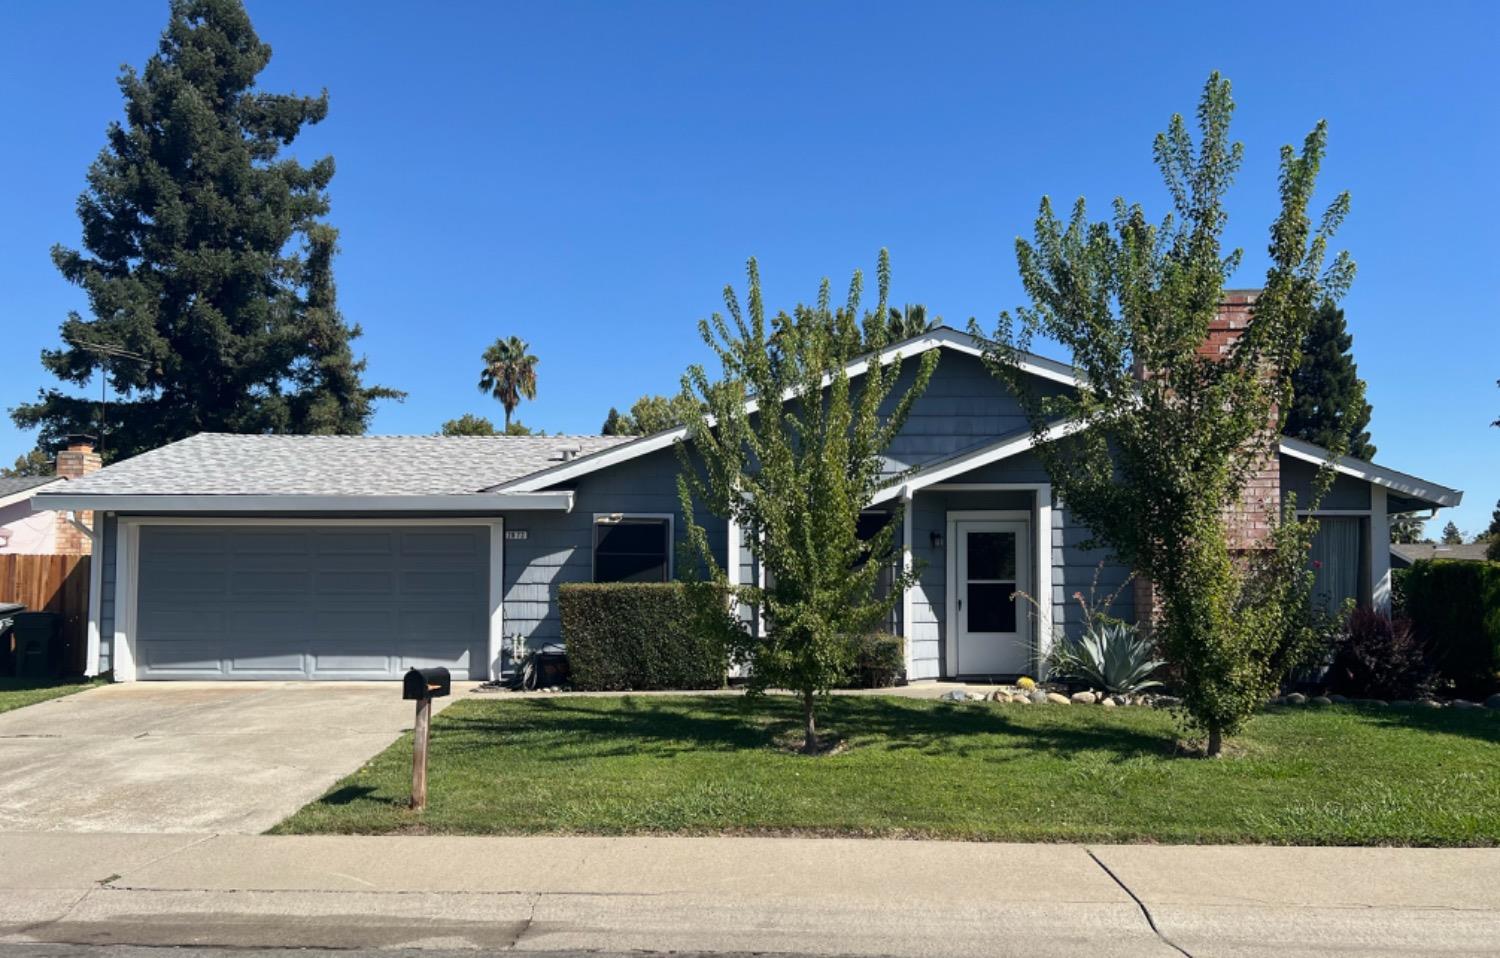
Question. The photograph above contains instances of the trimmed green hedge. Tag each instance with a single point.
(637, 636)
(1455, 607)
(879, 661)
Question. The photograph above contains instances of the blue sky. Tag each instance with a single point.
(589, 176)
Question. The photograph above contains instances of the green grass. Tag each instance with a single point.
(706, 765)
(15, 693)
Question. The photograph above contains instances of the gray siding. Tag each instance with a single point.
(559, 546)
(1346, 493)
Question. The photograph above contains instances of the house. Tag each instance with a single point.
(333, 557)
(1403, 554)
(28, 531)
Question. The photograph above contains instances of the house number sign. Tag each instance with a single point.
(515, 534)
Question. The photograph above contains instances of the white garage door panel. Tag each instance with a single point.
(316, 602)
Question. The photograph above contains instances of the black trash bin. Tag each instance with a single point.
(35, 635)
(8, 612)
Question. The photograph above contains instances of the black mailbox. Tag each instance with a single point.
(422, 684)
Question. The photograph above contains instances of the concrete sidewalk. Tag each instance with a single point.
(799, 896)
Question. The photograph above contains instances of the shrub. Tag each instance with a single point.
(1379, 657)
(879, 661)
(633, 635)
(1109, 655)
(1455, 608)
(1398, 593)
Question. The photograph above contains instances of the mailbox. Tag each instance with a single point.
(422, 684)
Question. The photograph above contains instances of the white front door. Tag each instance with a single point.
(991, 622)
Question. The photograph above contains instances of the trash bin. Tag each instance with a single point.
(8, 611)
(35, 635)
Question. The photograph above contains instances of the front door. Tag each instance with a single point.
(992, 624)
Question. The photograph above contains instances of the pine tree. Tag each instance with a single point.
(34, 463)
(1328, 397)
(205, 255)
(1452, 536)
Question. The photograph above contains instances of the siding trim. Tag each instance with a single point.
(128, 557)
(96, 594)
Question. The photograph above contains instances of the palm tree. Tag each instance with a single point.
(509, 373)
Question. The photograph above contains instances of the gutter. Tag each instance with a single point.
(469, 503)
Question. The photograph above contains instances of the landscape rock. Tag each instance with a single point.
(1117, 700)
(1083, 698)
(1000, 695)
(1296, 698)
(1108, 703)
(1493, 702)
(957, 695)
(1465, 704)
(974, 696)
(1339, 698)
(1020, 698)
(1166, 701)
(1321, 700)
(1058, 699)
(1038, 697)
(1430, 704)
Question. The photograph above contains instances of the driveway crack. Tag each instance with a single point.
(1146, 912)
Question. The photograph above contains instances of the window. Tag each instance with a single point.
(632, 548)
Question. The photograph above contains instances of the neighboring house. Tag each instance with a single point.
(28, 531)
(324, 557)
(1404, 554)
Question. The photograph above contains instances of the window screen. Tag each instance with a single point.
(631, 549)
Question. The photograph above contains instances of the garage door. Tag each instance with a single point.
(311, 602)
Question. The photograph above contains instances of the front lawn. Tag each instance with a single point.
(15, 693)
(704, 764)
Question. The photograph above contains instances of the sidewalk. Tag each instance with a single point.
(805, 896)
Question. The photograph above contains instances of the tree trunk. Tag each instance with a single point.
(809, 726)
(507, 419)
(1215, 743)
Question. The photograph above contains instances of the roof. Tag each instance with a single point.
(217, 464)
(10, 486)
(1402, 483)
(1415, 551)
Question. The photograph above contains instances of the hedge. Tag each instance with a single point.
(1455, 607)
(636, 636)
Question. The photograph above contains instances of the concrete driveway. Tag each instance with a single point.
(189, 756)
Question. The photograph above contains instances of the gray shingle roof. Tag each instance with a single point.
(220, 464)
(11, 486)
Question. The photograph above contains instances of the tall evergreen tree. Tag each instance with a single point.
(205, 253)
(1452, 536)
(1328, 397)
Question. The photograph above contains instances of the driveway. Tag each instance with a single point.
(189, 756)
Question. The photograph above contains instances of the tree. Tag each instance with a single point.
(1328, 397)
(205, 255)
(509, 373)
(798, 473)
(469, 425)
(1492, 549)
(34, 463)
(648, 414)
(1406, 529)
(1166, 436)
(519, 428)
(909, 321)
(1452, 536)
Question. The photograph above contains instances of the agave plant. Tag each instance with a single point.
(1109, 655)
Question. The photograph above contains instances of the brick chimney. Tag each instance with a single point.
(76, 460)
(1249, 522)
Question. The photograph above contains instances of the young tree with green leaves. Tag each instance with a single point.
(647, 415)
(1167, 437)
(1328, 397)
(509, 373)
(798, 474)
(205, 259)
(1452, 535)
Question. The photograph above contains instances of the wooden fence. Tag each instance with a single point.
(59, 584)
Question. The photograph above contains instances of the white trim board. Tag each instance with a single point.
(1402, 482)
(127, 573)
(671, 521)
(935, 474)
(561, 501)
(951, 520)
(28, 492)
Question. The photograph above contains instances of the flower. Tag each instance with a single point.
(1026, 683)
(1317, 563)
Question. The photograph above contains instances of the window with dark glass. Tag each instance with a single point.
(632, 549)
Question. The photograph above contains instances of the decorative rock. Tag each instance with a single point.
(1166, 701)
(1000, 695)
(1108, 703)
(1321, 700)
(1339, 699)
(1057, 699)
(957, 695)
(974, 696)
(1296, 698)
(1465, 704)
(1019, 699)
(1038, 697)
(1083, 698)
(1493, 702)
(1430, 704)
(1117, 700)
